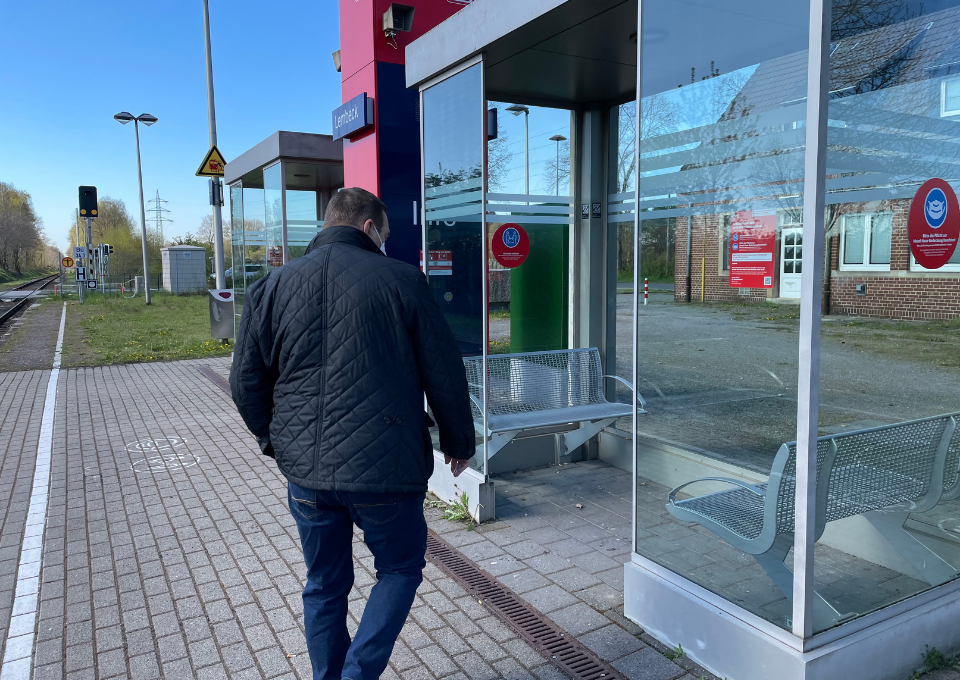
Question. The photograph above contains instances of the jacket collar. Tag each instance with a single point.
(343, 234)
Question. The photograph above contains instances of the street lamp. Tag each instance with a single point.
(558, 139)
(517, 109)
(123, 118)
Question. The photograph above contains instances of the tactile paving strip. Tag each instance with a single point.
(556, 646)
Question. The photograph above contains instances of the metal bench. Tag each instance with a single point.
(882, 473)
(540, 389)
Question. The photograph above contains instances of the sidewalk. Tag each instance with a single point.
(170, 553)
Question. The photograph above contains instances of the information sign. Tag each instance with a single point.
(753, 238)
(81, 273)
(67, 262)
(213, 164)
(441, 263)
(933, 224)
(352, 116)
(92, 283)
(511, 245)
(79, 252)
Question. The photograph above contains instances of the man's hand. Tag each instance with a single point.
(457, 465)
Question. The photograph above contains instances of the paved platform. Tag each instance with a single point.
(169, 551)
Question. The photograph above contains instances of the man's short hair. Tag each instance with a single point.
(352, 207)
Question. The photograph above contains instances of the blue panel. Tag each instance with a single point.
(398, 136)
(354, 115)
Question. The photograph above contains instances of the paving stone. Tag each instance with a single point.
(550, 598)
(611, 642)
(648, 664)
(578, 619)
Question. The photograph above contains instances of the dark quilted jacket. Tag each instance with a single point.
(334, 354)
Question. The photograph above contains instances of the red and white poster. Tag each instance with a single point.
(753, 240)
(510, 245)
(933, 225)
(441, 262)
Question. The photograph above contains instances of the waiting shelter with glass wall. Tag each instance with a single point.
(279, 191)
(795, 460)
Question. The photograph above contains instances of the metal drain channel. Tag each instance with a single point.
(216, 379)
(556, 646)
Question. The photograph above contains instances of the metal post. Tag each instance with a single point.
(212, 120)
(90, 243)
(526, 154)
(558, 167)
(811, 291)
(635, 335)
(143, 220)
(80, 261)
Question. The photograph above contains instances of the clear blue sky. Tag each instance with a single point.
(69, 66)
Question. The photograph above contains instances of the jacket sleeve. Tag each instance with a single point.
(252, 377)
(442, 374)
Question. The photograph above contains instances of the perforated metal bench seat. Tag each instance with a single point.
(556, 416)
(882, 473)
(540, 389)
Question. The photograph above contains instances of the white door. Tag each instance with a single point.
(791, 253)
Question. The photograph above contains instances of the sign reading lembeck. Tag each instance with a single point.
(354, 115)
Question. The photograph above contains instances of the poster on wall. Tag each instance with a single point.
(933, 225)
(441, 262)
(753, 238)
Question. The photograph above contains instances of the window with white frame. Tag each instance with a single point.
(865, 241)
(950, 97)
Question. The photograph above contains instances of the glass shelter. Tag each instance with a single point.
(786, 395)
(279, 191)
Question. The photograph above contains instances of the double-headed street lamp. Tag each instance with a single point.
(123, 117)
(558, 139)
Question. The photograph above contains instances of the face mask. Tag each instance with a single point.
(383, 247)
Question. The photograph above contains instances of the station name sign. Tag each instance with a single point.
(352, 116)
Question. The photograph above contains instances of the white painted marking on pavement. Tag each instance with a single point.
(18, 651)
(771, 374)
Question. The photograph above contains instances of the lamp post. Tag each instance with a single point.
(516, 110)
(212, 124)
(123, 118)
(558, 139)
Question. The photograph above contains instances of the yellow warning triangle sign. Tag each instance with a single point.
(212, 165)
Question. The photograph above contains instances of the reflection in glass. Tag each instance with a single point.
(273, 215)
(254, 236)
(236, 246)
(888, 379)
(721, 168)
(452, 119)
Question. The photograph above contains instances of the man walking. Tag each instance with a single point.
(334, 355)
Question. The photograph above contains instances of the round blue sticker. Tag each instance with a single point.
(935, 208)
(511, 237)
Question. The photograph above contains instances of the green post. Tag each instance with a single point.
(539, 292)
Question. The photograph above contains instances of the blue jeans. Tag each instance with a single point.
(395, 531)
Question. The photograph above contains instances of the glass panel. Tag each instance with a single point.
(254, 237)
(888, 349)
(453, 113)
(273, 215)
(529, 302)
(880, 232)
(236, 247)
(309, 188)
(853, 239)
(720, 374)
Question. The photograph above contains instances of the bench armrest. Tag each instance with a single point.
(643, 402)
(672, 497)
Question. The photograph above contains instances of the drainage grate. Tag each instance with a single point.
(216, 380)
(556, 646)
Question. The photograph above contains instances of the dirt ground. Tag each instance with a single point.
(30, 340)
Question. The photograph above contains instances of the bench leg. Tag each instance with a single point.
(931, 566)
(568, 441)
(772, 561)
(497, 442)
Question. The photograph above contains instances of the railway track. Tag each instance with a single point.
(9, 310)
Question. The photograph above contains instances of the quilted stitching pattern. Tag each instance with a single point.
(334, 355)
